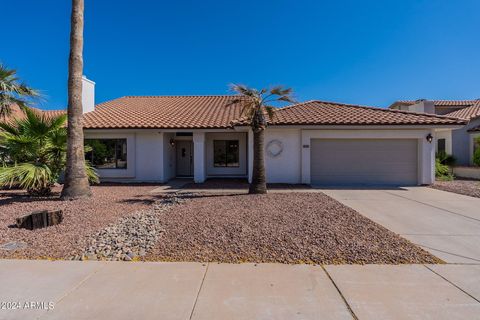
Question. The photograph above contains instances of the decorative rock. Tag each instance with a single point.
(134, 235)
(14, 245)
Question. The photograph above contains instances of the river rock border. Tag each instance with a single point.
(131, 237)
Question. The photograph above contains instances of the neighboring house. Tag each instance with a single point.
(157, 138)
(460, 142)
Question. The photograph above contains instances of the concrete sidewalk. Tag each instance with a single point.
(119, 290)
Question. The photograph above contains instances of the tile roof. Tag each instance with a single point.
(438, 103)
(468, 113)
(175, 112)
(210, 112)
(17, 113)
(330, 113)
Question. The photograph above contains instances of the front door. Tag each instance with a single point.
(184, 158)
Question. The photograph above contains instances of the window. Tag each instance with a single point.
(107, 153)
(441, 146)
(225, 153)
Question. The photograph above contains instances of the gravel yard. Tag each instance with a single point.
(81, 218)
(287, 228)
(127, 223)
(466, 187)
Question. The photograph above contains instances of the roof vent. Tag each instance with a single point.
(420, 100)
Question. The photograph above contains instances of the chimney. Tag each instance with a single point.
(88, 94)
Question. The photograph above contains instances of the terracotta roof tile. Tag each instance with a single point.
(468, 113)
(438, 103)
(329, 113)
(17, 113)
(204, 112)
(176, 112)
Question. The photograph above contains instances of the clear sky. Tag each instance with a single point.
(361, 52)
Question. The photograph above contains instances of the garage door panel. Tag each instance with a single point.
(364, 161)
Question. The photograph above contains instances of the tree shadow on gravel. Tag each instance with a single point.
(149, 200)
(15, 196)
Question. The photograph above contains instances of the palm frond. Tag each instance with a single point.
(27, 176)
(9, 128)
(287, 99)
(92, 173)
(234, 102)
(13, 92)
(270, 112)
(243, 90)
(255, 106)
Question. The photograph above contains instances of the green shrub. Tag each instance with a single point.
(33, 153)
(476, 154)
(445, 158)
(442, 171)
(476, 157)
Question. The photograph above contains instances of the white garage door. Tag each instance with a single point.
(364, 161)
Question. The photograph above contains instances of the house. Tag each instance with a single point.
(157, 138)
(461, 143)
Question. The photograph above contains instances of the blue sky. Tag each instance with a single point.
(361, 52)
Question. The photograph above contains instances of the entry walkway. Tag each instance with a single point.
(136, 290)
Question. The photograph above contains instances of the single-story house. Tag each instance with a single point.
(461, 143)
(157, 138)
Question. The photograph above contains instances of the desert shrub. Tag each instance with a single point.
(34, 153)
(445, 158)
(442, 171)
(476, 154)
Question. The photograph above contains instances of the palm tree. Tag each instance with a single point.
(76, 181)
(32, 152)
(13, 92)
(254, 108)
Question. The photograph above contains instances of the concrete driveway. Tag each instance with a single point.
(443, 223)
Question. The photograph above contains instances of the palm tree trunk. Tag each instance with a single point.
(259, 181)
(76, 181)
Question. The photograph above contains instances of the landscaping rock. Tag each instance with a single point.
(131, 236)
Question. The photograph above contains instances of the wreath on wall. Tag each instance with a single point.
(274, 148)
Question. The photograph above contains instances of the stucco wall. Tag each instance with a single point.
(149, 156)
(226, 171)
(461, 141)
(286, 167)
(447, 135)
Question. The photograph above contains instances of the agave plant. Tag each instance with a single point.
(33, 152)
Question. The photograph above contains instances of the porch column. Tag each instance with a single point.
(199, 174)
(250, 155)
(426, 152)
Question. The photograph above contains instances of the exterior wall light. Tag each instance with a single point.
(429, 138)
(172, 142)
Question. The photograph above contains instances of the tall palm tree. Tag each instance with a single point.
(76, 181)
(255, 106)
(13, 92)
